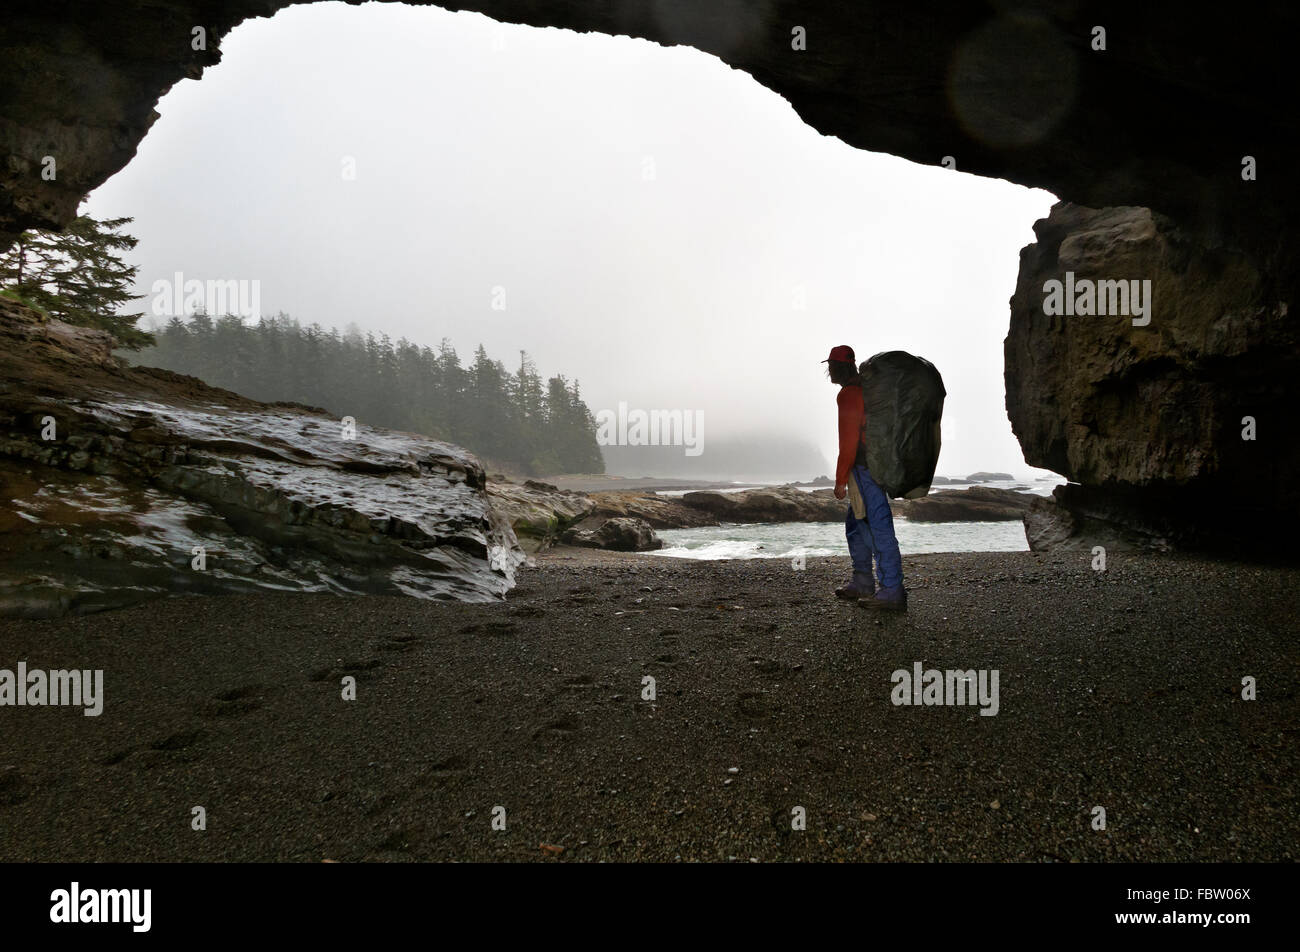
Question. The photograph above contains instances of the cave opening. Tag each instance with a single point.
(645, 219)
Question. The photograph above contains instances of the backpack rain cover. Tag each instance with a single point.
(903, 395)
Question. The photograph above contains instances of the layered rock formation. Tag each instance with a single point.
(659, 512)
(774, 504)
(128, 483)
(1153, 420)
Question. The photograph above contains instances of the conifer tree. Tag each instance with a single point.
(78, 276)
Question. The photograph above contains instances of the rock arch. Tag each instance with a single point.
(1161, 118)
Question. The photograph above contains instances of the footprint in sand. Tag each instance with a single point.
(398, 841)
(400, 643)
(235, 702)
(13, 788)
(491, 628)
(178, 741)
(557, 729)
(353, 668)
(450, 765)
(754, 705)
(818, 756)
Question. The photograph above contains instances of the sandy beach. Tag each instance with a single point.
(1120, 690)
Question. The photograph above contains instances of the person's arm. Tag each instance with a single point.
(851, 412)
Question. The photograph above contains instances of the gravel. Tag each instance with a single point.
(1120, 690)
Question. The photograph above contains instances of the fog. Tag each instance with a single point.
(647, 220)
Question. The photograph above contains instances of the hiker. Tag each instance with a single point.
(869, 524)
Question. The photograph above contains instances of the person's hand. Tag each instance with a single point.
(841, 491)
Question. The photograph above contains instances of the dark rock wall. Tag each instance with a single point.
(1161, 118)
(1150, 419)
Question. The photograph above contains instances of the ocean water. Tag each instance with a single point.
(787, 539)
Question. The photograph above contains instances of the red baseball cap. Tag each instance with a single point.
(843, 352)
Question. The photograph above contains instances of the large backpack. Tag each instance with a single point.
(903, 396)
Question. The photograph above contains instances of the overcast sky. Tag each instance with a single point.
(653, 216)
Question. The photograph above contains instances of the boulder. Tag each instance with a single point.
(620, 535)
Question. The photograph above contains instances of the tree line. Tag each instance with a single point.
(509, 418)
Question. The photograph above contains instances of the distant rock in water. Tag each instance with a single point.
(130, 483)
(542, 515)
(983, 477)
(819, 481)
(660, 512)
(776, 504)
(977, 504)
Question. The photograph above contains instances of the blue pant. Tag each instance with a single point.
(874, 536)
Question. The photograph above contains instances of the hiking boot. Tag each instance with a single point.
(862, 586)
(886, 601)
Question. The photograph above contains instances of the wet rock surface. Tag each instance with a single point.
(129, 483)
(539, 512)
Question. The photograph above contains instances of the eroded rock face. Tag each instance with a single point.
(1149, 418)
(115, 477)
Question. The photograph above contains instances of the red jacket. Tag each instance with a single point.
(853, 425)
